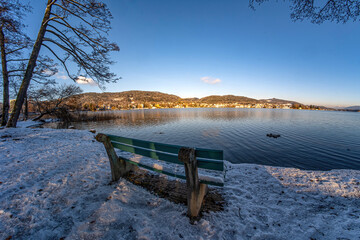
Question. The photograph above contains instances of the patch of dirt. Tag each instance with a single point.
(6, 136)
(174, 190)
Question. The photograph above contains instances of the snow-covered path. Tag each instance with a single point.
(54, 184)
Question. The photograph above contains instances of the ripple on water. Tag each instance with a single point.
(317, 140)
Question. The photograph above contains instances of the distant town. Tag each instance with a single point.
(154, 100)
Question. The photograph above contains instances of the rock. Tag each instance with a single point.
(92, 130)
(273, 135)
(71, 127)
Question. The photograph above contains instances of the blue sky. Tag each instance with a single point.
(200, 48)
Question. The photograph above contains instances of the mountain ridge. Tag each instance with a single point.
(353, 108)
(155, 99)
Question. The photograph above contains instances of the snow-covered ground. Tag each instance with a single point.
(54, 184)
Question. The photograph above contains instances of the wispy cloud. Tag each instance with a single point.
(86, 81)
(61, 76)
(210, 80)
(49, 72)
(55, 73)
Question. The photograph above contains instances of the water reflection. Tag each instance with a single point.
(309, 139)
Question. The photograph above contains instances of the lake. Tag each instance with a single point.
(316, 140)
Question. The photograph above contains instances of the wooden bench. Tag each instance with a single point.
(191, 158)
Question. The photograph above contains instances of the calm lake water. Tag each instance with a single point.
(317, 140)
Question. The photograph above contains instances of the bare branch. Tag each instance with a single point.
(16, 50)
(340, 11)
(61, 61)
(18, 60)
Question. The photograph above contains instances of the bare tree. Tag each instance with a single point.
(50, 99)
(44, 70)
(340, 11)
(12, 42)
(72, 30)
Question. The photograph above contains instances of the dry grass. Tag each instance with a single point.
(84, 116)
(174, 190)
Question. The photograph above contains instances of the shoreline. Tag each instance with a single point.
(136, 109)
(55, 183)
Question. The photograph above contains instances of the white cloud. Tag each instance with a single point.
(86, 81)
(52, 73)
(61, 76)
(58, 75)
(48, 72)
(210, 80)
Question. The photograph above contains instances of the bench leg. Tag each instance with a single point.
(195, 200)
(196, 191)
(118, 166)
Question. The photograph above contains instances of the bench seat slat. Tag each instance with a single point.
(214, 183)
(200, 152)
(202, 163)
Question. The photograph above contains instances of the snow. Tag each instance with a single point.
(204, 174)
(55, 184)
(28, 123)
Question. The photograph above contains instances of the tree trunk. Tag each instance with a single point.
(6, 104)
(40, 116)
(196, 191)
(26, 110)
(30, 68)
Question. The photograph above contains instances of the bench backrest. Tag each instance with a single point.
(206, 158)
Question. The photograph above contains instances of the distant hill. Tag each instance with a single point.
(353, 108)
(122, 99)
(138, 97)
(190, 99)
(150, 99)
(277, 101)
(129, 96)
(227, 99)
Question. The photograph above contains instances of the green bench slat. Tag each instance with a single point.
(170, 173)
(202, 163)
(200, 152)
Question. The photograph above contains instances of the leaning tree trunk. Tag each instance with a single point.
(6, 104)
(30, 68)
(40, 116)
(26, 110)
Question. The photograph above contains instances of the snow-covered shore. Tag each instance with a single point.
(54, 184)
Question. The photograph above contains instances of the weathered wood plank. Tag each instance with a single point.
(118, 166)
(219, 184)
(172, 158)
(199, 153)
(196, 191)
